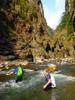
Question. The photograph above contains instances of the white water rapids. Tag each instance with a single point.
(34, 78)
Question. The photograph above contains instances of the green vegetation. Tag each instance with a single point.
(69, 25)
(51, 31)
(66, 22)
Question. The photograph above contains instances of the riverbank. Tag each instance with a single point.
(10, 64)
(25, 63)
(62, 60)
(67, 60)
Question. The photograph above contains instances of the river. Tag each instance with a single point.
(31, 88)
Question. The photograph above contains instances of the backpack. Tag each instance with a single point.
(20, 71)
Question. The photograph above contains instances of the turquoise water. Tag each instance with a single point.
(31, 88)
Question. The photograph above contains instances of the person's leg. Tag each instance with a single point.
(20, 78)
(17, 79)
(48, 87)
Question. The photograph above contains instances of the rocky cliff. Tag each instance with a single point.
(63, 40)
(70, 9)
(23, 29)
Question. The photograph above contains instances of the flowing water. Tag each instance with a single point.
(31, 88)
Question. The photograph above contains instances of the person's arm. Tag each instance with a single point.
(13, 71)
(49, 81)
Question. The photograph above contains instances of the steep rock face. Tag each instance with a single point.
(70, 9)
(22, 28)
(63, 40)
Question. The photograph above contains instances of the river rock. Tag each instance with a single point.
(38, 60)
